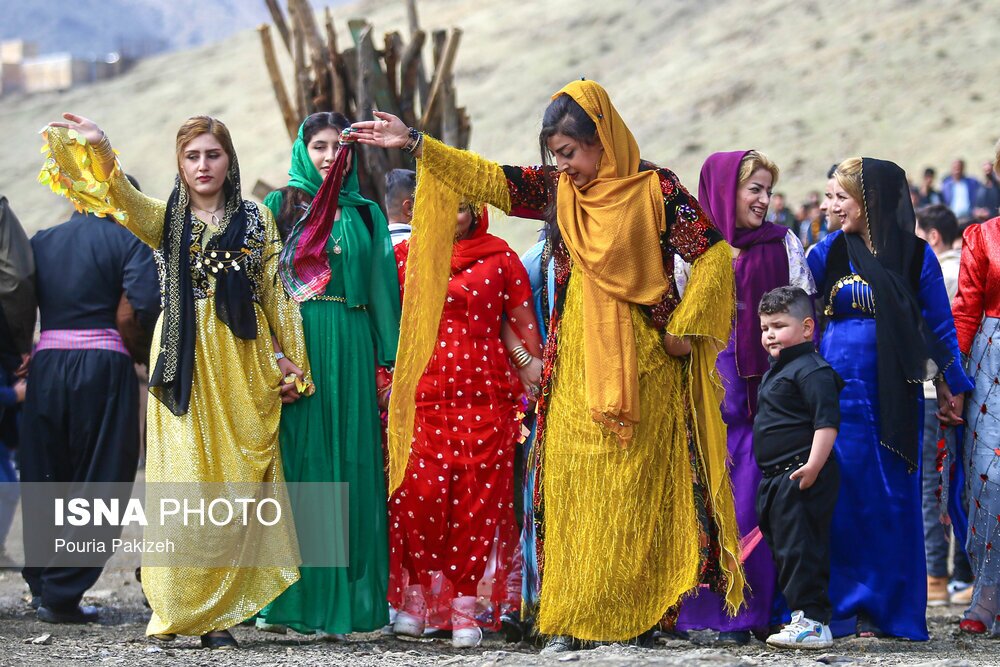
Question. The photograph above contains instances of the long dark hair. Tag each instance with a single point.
(563, 116)
(294, 201)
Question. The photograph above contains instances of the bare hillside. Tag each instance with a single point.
(808, 82)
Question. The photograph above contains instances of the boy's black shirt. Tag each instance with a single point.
(799, 395)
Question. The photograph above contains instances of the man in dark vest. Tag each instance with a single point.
(81, 415)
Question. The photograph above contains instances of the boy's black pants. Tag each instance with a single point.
(796, 525)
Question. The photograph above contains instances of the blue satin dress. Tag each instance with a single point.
(877, 566)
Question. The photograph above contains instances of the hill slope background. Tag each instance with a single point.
(807, 82)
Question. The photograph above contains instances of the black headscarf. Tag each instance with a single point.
(905, 342)
(174, 370)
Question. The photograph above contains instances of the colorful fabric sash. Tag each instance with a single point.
(82, 339)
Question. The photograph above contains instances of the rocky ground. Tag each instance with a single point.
(119, 640)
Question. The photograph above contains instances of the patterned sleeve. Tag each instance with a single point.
(687, 236)
(689, 232)
(529, 191)
(799, 274)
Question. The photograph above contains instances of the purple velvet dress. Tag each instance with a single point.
(770, 256)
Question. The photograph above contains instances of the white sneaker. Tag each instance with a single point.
(802, 633)
(410, 620)
(465, 630)
(408, 625)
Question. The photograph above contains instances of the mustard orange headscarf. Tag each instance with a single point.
(611, 227)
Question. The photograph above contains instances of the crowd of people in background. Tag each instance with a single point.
(673, 413)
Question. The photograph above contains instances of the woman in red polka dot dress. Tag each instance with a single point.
(452, 529)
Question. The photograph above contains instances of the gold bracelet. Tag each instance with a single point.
(103, 150)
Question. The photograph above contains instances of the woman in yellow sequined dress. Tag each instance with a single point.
(228, 338)
(632, 513)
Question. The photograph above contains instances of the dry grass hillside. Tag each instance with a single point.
(806, 81)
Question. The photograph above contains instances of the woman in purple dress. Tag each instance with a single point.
(735, 190)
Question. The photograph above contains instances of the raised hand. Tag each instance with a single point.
(386, 131)
(87, 128)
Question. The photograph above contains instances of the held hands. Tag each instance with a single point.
(86, 127)
(806, 475)
(289, 391)
(531, 378)
(950, 407)
(676, 346)
(386, 131)
(20, 388)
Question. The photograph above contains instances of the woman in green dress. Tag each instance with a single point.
(351, 325)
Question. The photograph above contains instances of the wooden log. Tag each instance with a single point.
(464, 128)
(449, 114)
(376, 160)
(439, 38)
(280, 94)
(349, 57)
(337, 98)
(302, 82)
(390, 55)
(408, 72)
(441, 74)
(279, 22)
(422, 86)
(411, 17)
(370, 67)
(307, 19)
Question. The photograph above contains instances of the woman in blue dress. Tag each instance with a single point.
(890, 327)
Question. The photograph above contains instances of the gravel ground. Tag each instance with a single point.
(119, 640)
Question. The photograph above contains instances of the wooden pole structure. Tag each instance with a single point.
(280, 94)
(358, 78)
(338, 101)
(441, 74)
(279, 23)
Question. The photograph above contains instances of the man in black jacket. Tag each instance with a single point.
(81, 411)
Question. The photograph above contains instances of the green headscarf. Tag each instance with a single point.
(373, 284)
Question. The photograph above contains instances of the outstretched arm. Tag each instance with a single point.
(82, 167)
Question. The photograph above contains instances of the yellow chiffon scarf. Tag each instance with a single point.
(611, 227)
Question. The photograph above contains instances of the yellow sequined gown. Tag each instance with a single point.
(229, 433)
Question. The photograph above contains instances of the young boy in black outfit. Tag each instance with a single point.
(798, 416)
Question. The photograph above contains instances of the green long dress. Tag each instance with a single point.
(335, 436)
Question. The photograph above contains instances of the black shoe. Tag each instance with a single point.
(219, 640)
(79, 614)
(510, 626)
(733, 638)
(36, 601)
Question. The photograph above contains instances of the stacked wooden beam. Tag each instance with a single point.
(357, 79)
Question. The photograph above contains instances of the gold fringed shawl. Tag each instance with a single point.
(442, 173)
(612, 227)
(705, 317)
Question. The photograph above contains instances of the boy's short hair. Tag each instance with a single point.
(940, 218)
(791, 300)
(400, 185)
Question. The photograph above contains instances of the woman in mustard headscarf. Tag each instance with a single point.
(632, 514)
